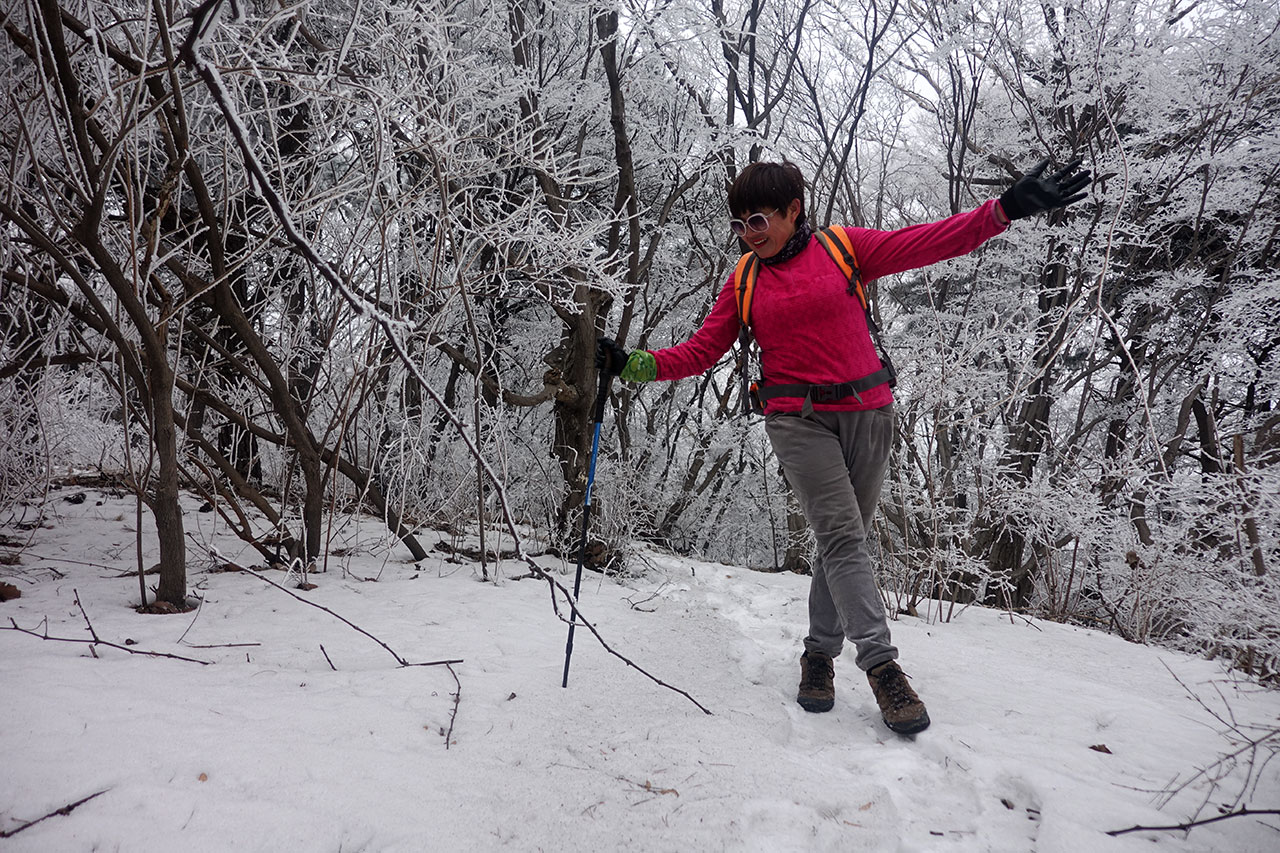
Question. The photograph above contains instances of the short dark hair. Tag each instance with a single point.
(765, 185)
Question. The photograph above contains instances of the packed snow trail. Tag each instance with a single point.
(928, 794)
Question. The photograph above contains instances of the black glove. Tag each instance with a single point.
(1032, 194)
(610, 357)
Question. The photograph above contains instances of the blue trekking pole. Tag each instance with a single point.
(605, 362)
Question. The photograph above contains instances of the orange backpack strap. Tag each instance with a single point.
(838, 245)
(744, 285)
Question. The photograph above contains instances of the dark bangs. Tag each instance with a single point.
(765, 186)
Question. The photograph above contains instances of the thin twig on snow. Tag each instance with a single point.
(95, 639)
(1245, 812)
(400, 660)
(65, 810)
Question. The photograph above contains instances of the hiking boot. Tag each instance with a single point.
(901, 708)
(817, 688)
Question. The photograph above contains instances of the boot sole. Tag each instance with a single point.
(817, 706)
(910, 727)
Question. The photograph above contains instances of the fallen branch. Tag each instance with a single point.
(447, 664)
(64, 811)
(582, 620)
(92, 633)
(13, 626)
(1245, 812)
(457, 698)
(400, 660)
(475, 554)
(94, 640)
(220, 645)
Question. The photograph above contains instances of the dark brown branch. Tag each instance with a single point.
(554, 585)
(222, 645)
(348, 623)
(447, 664)
(72, 359)
(64, 811)
(1245, 812)
(92, 632)
(13, 626)
(457, 698)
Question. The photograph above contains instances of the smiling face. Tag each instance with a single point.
(771, 190)
(781, 226)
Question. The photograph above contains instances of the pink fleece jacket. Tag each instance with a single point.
(809, 329)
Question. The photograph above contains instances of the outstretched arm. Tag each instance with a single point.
(882, 253)
(886, 252)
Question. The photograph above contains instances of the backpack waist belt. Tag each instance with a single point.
(822, 393)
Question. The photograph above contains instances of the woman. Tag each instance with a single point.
(834, 452)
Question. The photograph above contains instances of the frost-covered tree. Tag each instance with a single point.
(308, 257)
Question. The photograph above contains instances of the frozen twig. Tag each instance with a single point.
(447, 664)
(94, 640)
(13, 626)
(92, 633)
(657, 593)
(1245, 812)
(583, 621)
(64, 811)
(1251, 751)
(457, 699)
(221, 645)
(400, 660)
(199, 607)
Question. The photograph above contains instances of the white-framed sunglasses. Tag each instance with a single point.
(756, 222)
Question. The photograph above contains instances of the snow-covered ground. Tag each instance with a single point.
(1044, 736)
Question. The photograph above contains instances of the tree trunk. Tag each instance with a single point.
(572, 413)
(164, 498)
(1010, 579)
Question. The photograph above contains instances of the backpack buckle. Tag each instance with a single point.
(827, 393)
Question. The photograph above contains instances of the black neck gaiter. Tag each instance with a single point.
(795, 245)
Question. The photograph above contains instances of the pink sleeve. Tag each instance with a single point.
(883, 253)
(708, 344)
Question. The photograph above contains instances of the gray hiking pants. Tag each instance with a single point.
(835, 463)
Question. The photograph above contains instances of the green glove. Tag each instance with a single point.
(641, 367)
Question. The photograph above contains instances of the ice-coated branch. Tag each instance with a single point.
(191, 54)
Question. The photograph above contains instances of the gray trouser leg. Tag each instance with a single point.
(835, 463)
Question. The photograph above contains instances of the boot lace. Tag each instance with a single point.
(892, 681)
(819, 672)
